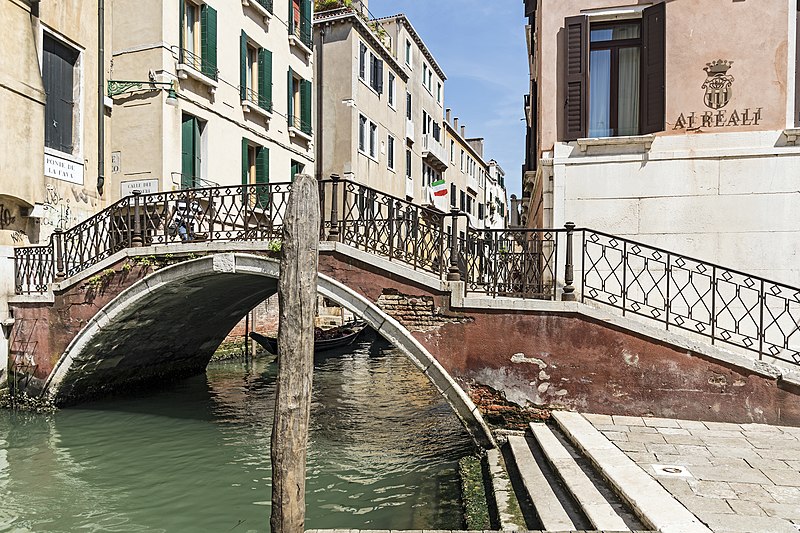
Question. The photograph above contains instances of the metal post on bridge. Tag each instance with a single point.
(568, 294)
(58, 237)
(334, 233)
(453, 274)
(137, 240)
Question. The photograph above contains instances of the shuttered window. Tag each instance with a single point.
(59, 65)
(615, 76)
(265, 79)
(299, 96)
(255, 171)
(190, 151)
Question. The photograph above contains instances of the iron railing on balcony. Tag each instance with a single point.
(266, 4)
(722, 304)
(256, 98)
(198, 63)
(296, 122)
(301, 29)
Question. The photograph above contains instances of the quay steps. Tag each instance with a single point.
(562, 495)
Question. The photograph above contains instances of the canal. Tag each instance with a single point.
(383, 454)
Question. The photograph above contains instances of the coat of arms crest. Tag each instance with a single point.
(718, 84)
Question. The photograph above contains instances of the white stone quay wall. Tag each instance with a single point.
(730, 198)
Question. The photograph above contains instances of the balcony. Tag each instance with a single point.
(256, 103)
(409, 188)
(299, 128)
(191, 65)
(434, 152)
(472, 184)
(410, 130)
(300, 35)
(262, 7)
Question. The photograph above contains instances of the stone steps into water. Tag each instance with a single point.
(597, 509)
(548, 506)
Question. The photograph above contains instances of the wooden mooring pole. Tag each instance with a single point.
(297, 294)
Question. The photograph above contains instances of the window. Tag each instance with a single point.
(299, 115)
(424, 75)
(439, 92)
(437, 132)
(199, 37)
(255, 79)
(452, 195)
(376, 73)
(469, 204)
(408, 164)
(615, 76)
(481, 212)
(295, 169)
(429, 175)
(430, 80)
(462, 160)
(300, 21)
(462, 197)
(408, 106)
(391, 89)
(61, 84)
(191, 146)
(425, 120)
(362, 133)
(255, 171)
(452, 151)
(408, 53)
(373, 139)
(390, 152)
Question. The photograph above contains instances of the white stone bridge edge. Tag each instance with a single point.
(232, 263)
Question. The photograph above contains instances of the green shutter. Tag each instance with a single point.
(245, 171)
(290, 100)
(305, 22)
(208, 40)
(265, 79)
(182, 16)
(196, 151)
(243, 66)
(262, 176)
(305, 106)
(187, 151)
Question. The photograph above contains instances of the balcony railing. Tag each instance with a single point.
(257, 99)
(199, 64)
(301, 30)
(299, 124)
(431, 148)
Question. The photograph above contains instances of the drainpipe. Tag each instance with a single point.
(101, 94)
(320, 54)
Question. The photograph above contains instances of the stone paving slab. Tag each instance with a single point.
(739, 478)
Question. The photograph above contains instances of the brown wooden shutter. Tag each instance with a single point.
(576, 88)
(652, 105)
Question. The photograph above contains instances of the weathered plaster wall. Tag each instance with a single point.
(570, 362)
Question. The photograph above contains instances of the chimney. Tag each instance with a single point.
(455, 124)
(447, 115)
(463, 132)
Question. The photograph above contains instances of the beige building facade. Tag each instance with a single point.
(231, 98)
(52, 163)
(674, 123)
(383, 113)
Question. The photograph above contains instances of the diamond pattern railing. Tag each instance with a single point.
(718, 303)
(680, 292)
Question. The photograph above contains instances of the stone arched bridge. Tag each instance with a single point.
(122, 300)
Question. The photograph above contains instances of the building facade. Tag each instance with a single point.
(384, 92)
(226, 98)
(53, 162)
(674, 123)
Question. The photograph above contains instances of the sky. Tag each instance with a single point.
(480, 46)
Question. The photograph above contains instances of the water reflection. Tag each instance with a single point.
(382, 455)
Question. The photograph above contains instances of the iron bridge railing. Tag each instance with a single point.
(724, 305)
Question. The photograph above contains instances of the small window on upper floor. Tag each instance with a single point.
(408, 53)
(198, 39)
(61, 77)
(439, 92)
(391, 89)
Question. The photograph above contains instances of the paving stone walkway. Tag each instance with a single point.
(736, 478)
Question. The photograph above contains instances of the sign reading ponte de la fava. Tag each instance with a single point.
(719, 90)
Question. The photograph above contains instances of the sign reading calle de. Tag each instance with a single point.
(63, 169)
(144, 186)
(718, 93)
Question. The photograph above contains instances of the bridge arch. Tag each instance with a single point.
(168, 325)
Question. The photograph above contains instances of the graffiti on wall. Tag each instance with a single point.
(64, 209)
(6, 217)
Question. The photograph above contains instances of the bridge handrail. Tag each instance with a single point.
(679, 291)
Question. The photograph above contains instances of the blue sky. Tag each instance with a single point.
(480, 45)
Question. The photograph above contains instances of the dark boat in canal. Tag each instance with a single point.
(324, 339)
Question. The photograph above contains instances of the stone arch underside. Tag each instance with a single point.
(168, 325)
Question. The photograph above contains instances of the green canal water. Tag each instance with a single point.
(383, 454)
